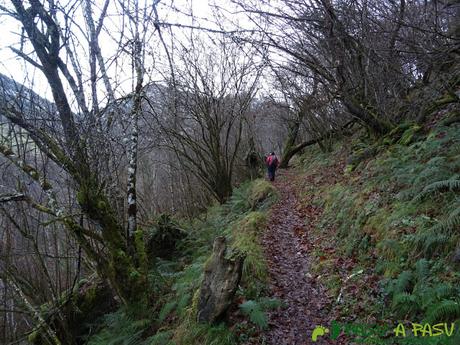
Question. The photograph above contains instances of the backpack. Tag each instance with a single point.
(272, 162)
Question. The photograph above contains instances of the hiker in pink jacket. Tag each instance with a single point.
(272, 163)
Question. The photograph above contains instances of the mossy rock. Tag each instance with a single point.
(253, 223)
(409, 135)
(222, 275)
(360, 155)
(163, 238)
(395, 134)
(260, 191)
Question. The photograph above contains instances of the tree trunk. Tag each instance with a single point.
(376, 125)
(223, 186)
(289, 144)
(120, 268)
(290, 152)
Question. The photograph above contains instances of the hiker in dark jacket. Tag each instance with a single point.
(272, 163)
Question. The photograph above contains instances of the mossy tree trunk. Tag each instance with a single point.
(292, 150)
(121, 268)
(289, 144)
(372, 121)
(81, 157)
(223, 188)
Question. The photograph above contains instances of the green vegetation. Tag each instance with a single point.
(176, 276)
(255, 310)
(388, 208)
(396, 214)
(390, 212)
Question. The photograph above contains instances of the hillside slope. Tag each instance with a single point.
(381, 232)
(362, 237)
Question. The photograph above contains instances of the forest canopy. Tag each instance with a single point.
(116, 112)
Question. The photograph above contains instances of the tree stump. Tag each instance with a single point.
(221, 278)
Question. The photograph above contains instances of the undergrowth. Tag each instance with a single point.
(398, 215)
(176, 281)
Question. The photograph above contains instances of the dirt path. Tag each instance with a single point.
(305, 305)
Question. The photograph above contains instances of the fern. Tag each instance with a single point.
(390, 248)
(403, 283)
(256, 314)
(422, 268)
(439, 186)
(256, 310)
(447, 310)
(431, 174)
(432, 242)
(405, 303)
(189, 279)
(426, 295)
(445, 291)
(183, 303)
(270, 303)
(238, 202)
(120, 329)
(407, 194)
(451, 222)
(165, 311)
(161, 338)
(387, 268)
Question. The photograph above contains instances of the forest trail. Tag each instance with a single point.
(286, 248)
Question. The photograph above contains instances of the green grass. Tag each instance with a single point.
(398, 214)
(123, 327)
(246, 235)
(176, 281)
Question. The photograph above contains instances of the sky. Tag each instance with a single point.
(171, 11)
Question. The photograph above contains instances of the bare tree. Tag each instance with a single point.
(84, 144)
(208, 102)
(365, 54)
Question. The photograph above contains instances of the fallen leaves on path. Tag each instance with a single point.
(286, 246)
(295, 245)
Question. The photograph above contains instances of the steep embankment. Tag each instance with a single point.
(364, 234)
(178, 254)
(374, 241)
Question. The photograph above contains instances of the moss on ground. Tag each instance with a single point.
(246, 239)
(260, 191)
(176, 280)
(390, 215)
